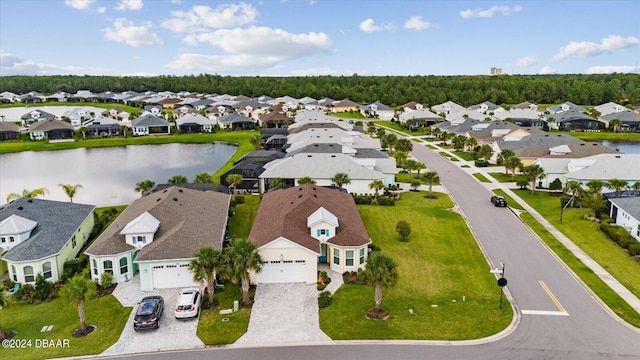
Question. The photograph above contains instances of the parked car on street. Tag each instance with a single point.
(498, 200)
(149, 312)
(189, 303)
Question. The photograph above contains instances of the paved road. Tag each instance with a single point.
(561, 319)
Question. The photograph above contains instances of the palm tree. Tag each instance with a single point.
(617, 184)
(78, 290)
(238, 260)
(636, 186)
(574, 187)
(340, 179)
(404, 145)
(503, 156)
(203, 266)
(257, 141)
(512, 163)
(471, 143)
(276, 183)
(203, 178)
(419, 167)
(390, 141)
(615, 125)
(381, 133)
(70, 190)
(233, 180)
(6, 301)
(400, 157)
(458, 142)
(485, 152)
(306, 180)
(381, 271)
(144, 185)
(431, 177)
(595, 187)
(376, 186)
(26, 193)
(177, 179)
(533, 173)
(410, 165)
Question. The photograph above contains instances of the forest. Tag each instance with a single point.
(390, 90)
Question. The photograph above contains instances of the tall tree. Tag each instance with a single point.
(618, 185)
(276, 183)
(404, 145)
(178, 179)
(203, 178)
(390, 141)
(26, 193)
(257, 141)
(470, 143)
(574, 189)
(410, 165)
(70, 190)
(503, 156)
(431, 177)
(78, 290)
(636, 187)
(595, 187)
(144, 185)
(615, 125)
(340, 179)
(512, 163)
(306, 180)
(533, 173)
(485, 152)
(203, 266)
(238, 260)
(376, 186)
(233, 180)
(381, 271)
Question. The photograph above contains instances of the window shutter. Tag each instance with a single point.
(318, 232)
(327, 232)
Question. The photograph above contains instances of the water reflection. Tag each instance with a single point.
(107, 175)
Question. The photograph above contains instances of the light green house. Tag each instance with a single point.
(39, 236)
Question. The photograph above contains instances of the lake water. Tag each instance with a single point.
(624, 147)
(108, 175)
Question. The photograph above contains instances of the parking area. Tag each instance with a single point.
(173, 334)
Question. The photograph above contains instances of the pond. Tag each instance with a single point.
(108, 175)
(624, 147)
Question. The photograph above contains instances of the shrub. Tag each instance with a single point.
(634, 249)
(481, 163)
(385, 201)
(106, 279)
(26, 294)
(362, 200)
(374, 247)
(324, 299)
(75, 266)
(555, 184)
(238, 199)
(43, 288)
(403, 229)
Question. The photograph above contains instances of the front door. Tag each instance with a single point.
(323, 253)
(135, 264)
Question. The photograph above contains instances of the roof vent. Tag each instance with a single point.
(315, 196)
(158, 200)
(292, 203)
(165, 190)
(333, 156)
(30, 200)
(299, 196)
(20, 208)
(314, 188)
(617, 156)
(179, 190)
(175, 199)
(581, 144)
(308, 155)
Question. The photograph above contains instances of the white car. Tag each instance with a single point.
(189, 303)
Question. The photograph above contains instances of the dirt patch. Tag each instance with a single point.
(87, 330)
(377, 314)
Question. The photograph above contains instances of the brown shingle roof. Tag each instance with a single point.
(189, 219)
(50, 124)
(284, 213)
(272, 116)
(8, 127)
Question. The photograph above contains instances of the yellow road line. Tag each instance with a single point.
(553, 298)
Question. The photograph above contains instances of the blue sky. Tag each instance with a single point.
(317, 37)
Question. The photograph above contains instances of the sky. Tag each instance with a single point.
(317, 37)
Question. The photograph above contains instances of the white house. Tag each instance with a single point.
(625, 212)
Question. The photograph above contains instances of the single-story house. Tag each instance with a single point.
(51, 129)
(194, 123)
(37, 115)
(605, 167)
(236, 121)
(9, 131)
(297, 228)
(625, 212)
(379, 110)
(345, 105)
(150, 125)
(157, 235)
(104, 126)
(39, 236)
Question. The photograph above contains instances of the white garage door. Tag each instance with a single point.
(171, 276)
(282, 271)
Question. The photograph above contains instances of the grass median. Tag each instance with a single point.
(439, 263)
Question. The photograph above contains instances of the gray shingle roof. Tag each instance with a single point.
(57, 223)
(630, 205)
(538, 140)
(149, 120)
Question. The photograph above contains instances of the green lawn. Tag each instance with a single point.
(587, 235)
(602, 136)
(481, 177)
(105, 312)
(501, 177)
(466, 155)
(213, 330)
(440, 261)
(240, 222)
(599, 287)
(404, 177)
(347, 115)
(512, 203)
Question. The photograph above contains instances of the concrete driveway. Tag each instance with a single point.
(284, 313)
(173, 334)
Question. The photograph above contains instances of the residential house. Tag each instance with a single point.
(564, 107)
(155, 110)
(419, 118)
(150, 125)
(353, 139)
(169, 103)
(9, 131)
(522, 117)
(250, 166)
(525, 105)
(60, 96)
(117, 113)
(235, 121)
(36, 115)
(609, 108)
(487, 108)
(447, 108)
(77, 116)
(157, 235)
(574, 120)
(39, 236)
(559, 160)
(295, 229)
(345, 105)
(531, 147)
(629, 120)
(274, 119)
(194, 123)
(625, 212)
(605, 167)
(51, 129)
(411, 106)
(379, 110)
(104, 126)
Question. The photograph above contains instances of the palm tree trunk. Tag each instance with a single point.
(378, 295)
(430, 187)
(81, 314)
(211, 290)
(245, 291)
(2, 334)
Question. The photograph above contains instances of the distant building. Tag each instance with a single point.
(495, 71)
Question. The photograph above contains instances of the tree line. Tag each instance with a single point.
(593, 89)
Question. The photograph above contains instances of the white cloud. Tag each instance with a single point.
(79, 4)
(488, 13)
(101, 10)
(546, 70)
(368, 26)
(526, 61)
(125, 31)
(125, 5)
(416, 23)
(586, 48)
(624, 69)
(14, 65)
(203, 18)
(177, 2)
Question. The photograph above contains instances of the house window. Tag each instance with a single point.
(28, 274)
(95, 267)
(46, 270)
(348, 255)
(142, 239)
(108, 266)
(336, 256)
(13, 272)
(73, 241)
(322, 231)
(123, 266)
(11, 239)
(362, 252)
(4, 240)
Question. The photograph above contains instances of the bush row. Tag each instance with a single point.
(621, 237)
